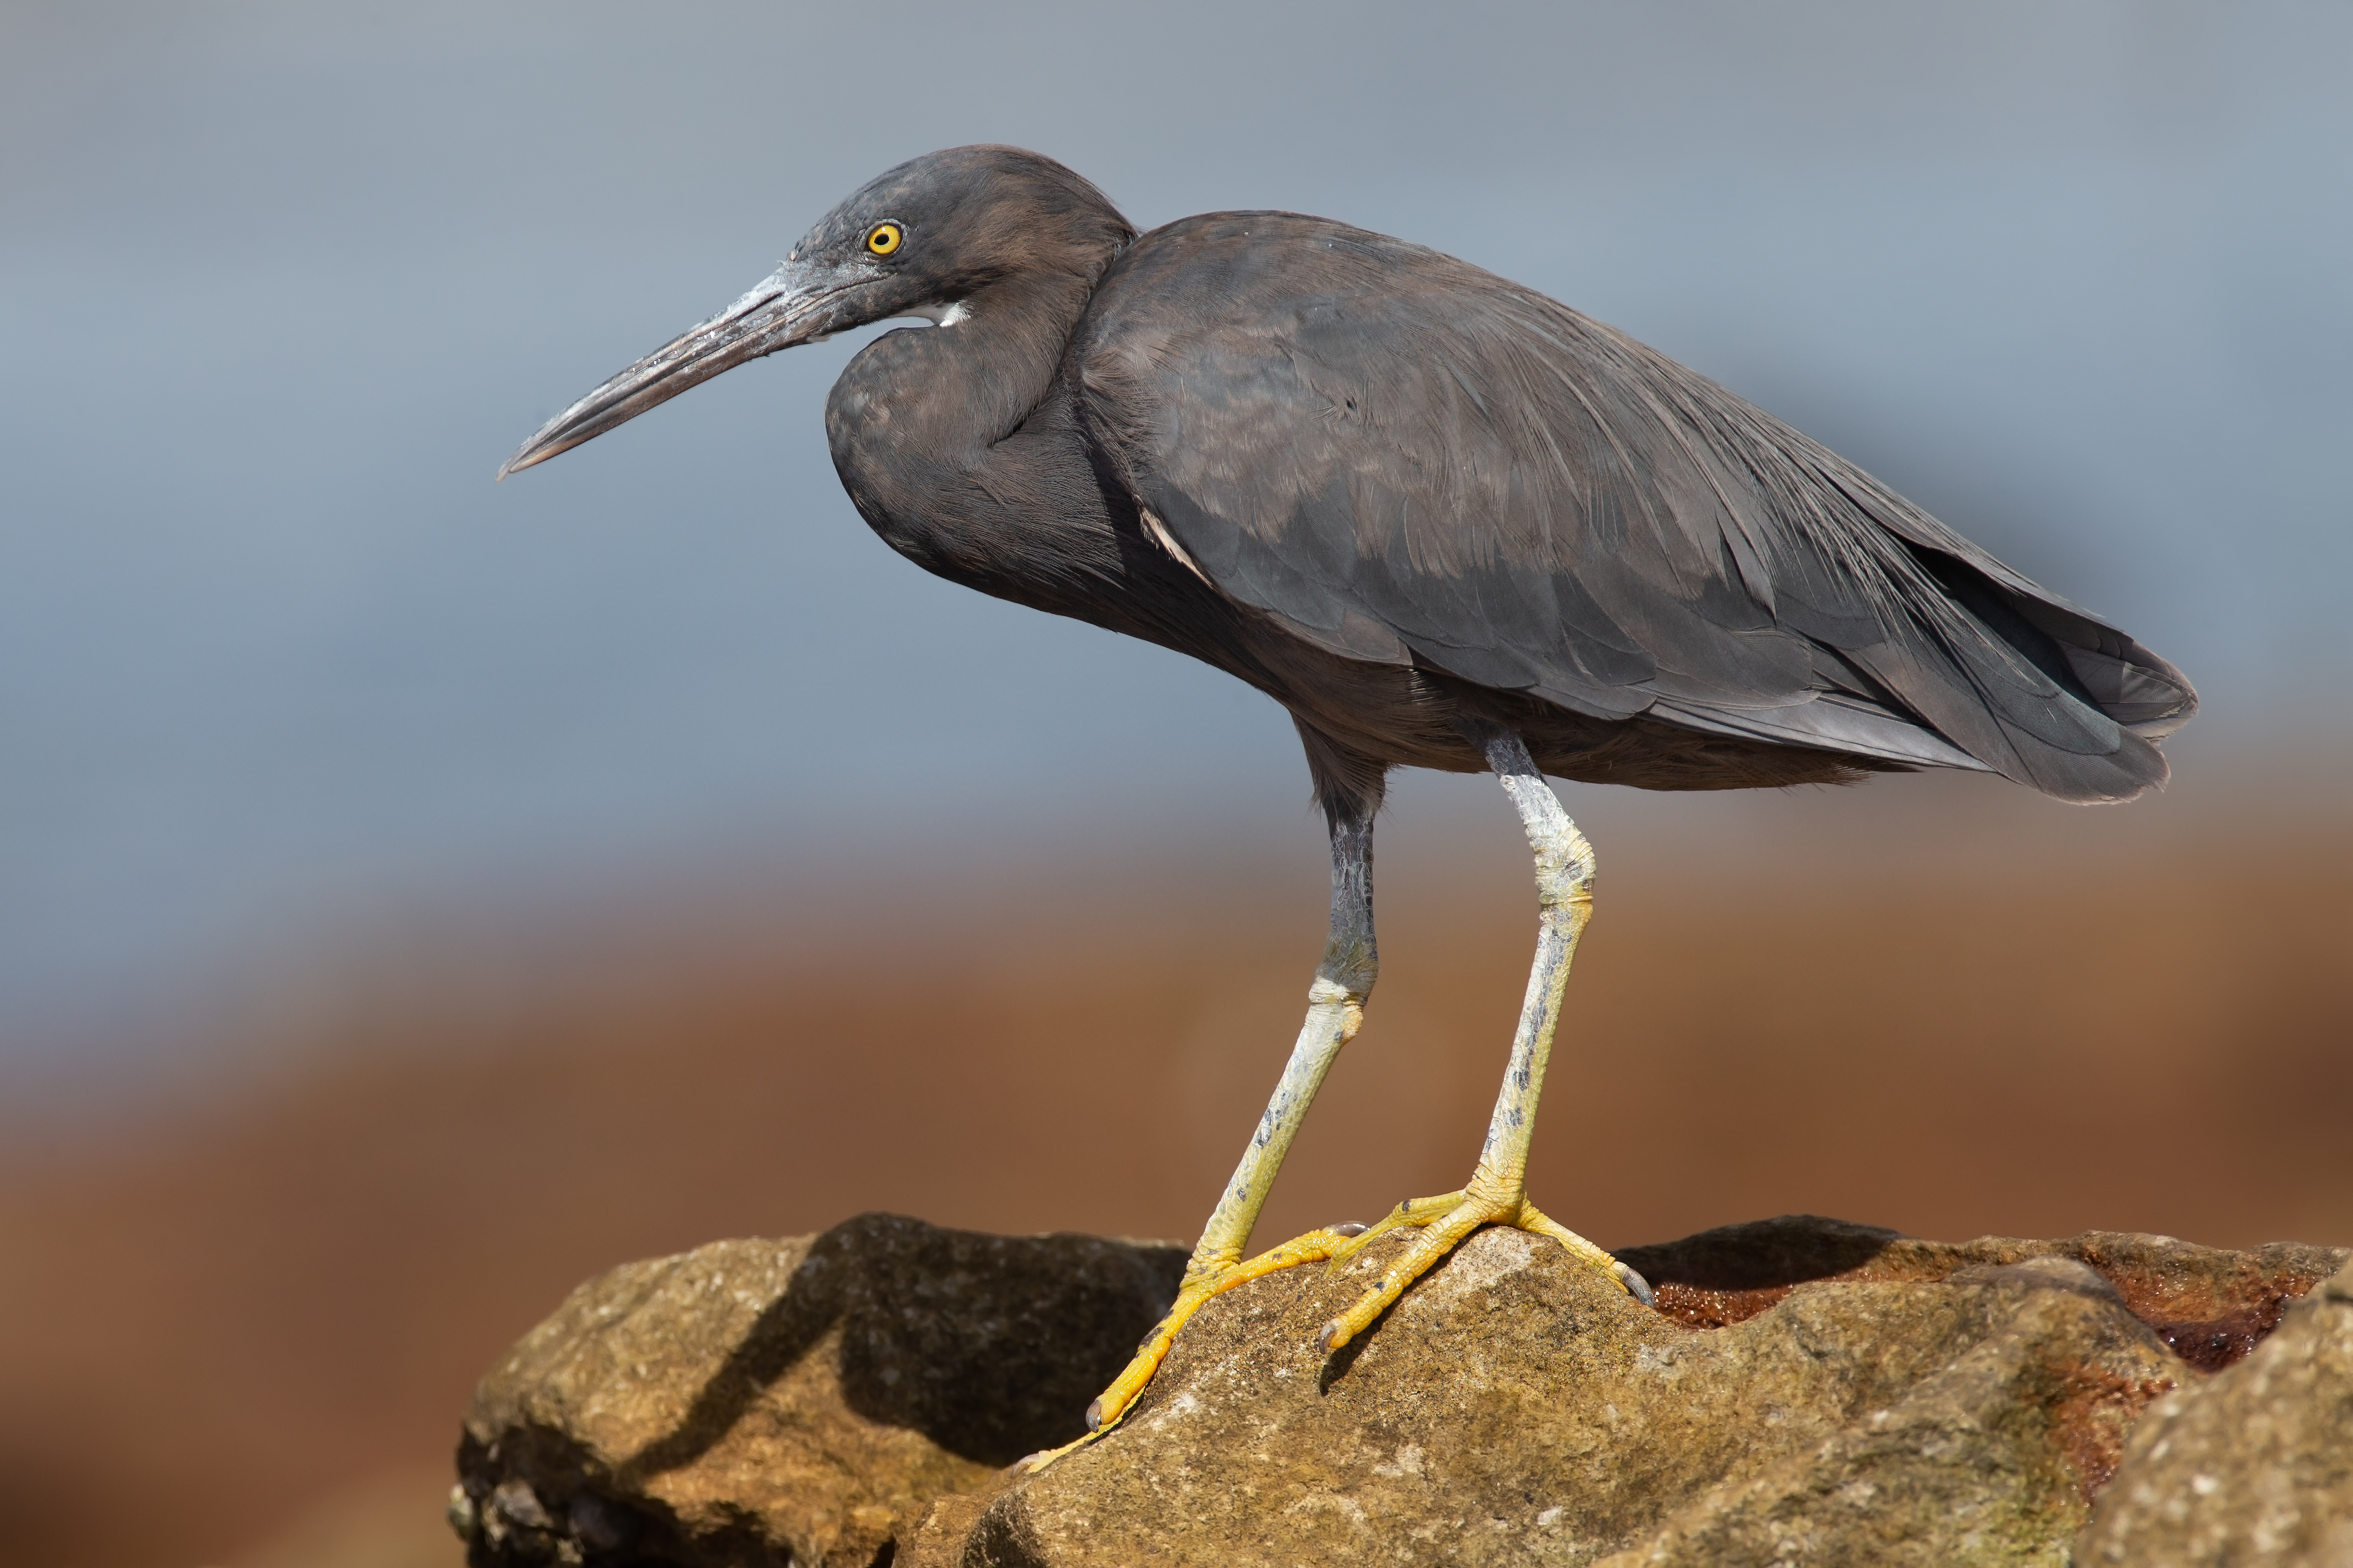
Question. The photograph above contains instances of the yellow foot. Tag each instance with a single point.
(1446, 1222)
(1105, 1412)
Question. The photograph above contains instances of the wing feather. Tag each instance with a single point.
(1400, 456)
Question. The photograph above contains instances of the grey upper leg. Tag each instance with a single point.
(1507, 754)
(1352, 958)
(1348, 787)
(1564, 858)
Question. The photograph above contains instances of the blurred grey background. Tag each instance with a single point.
(281, 283)
(416, 894)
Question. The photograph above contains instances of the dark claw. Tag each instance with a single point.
(1636, 1286)
(1347, 1228)
(1324, 1340)
(1094, 1412)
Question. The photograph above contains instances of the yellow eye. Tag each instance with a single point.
(884, 238)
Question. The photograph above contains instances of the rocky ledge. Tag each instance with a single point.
(1806, 1391)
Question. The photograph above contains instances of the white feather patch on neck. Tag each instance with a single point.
(947, 315)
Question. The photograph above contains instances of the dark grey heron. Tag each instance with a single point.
(1444, 521)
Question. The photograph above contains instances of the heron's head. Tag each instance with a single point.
(932, 237)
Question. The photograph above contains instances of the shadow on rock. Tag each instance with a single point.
(851, 1399)
(989, 1345)
(760, 1403)
(2210, 1306)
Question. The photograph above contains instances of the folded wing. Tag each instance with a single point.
(1402, 458)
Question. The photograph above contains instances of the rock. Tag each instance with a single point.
(2254, 1465)
(760, 1403)
(1516, 1407)
(2210, 1306)
(1807, 1390)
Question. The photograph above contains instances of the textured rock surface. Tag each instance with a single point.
(2254, 1465)
(1809, 1390)
(800, 1401)
(2210, 1306)
(1518, 1408)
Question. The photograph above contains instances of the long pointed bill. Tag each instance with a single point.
(789, 308)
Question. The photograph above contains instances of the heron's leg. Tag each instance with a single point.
(1497, 1194)
(1336, 1006)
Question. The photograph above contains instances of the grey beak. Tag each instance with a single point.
(789, 308)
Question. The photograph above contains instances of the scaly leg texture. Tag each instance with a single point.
(1336, 1007)
(1497, 1194)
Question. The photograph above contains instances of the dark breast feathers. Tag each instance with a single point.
(1402, 458)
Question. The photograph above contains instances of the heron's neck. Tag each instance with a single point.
(946, 438)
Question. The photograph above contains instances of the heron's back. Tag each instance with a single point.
(1404, 459)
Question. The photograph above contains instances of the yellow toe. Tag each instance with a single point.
(1443, 1232)
(1446, 1223)
(1412, 1212)
(1114, 1402)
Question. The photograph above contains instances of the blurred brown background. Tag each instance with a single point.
(1936, 1003)
(417, 895)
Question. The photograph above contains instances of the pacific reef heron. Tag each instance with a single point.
(1446, 522)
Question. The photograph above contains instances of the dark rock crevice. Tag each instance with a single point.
(2210, 1306)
